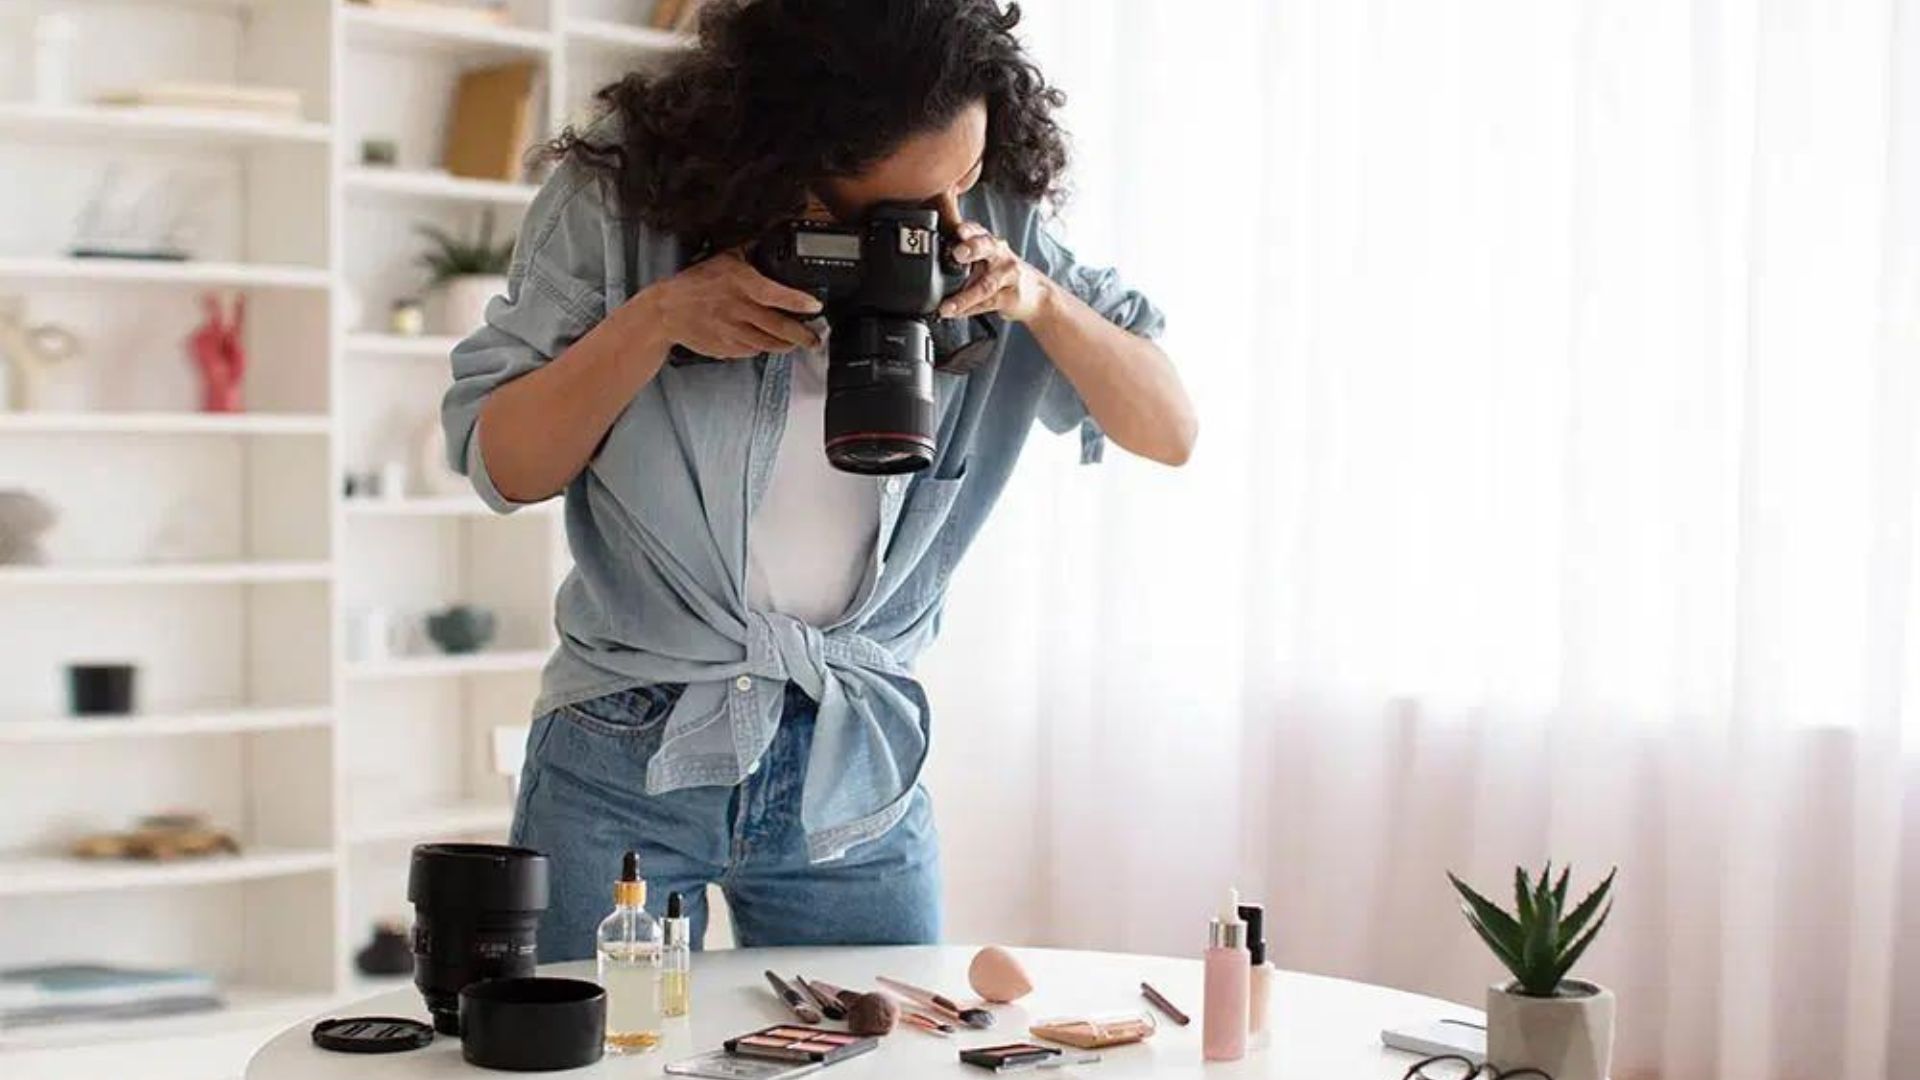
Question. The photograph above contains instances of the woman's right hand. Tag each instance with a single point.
(723, 308)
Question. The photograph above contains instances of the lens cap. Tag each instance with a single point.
(371, 1035)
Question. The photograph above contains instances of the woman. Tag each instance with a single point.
(733, 694)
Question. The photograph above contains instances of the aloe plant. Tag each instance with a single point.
(450, 257)
(1541, 940)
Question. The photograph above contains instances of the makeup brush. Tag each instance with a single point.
(831, 1007)
(926, 1023)
(973, 1018)
(806, 1012)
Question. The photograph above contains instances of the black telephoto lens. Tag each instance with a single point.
(475, 910)
(880, 406)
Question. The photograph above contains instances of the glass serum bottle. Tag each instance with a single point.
(628, 946)
(676, 961)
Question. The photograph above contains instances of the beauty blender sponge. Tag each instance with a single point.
(870, 1014)
(996, 975)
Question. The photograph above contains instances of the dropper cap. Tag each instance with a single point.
(676, 924)
(630, 891)
(1226, 931)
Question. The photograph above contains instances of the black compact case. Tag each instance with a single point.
(1010, 1056)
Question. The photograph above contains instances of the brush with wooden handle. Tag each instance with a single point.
(973, 1018)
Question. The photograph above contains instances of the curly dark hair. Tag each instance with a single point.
(779, 95)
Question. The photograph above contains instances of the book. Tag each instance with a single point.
(268, 101)
(95, 984)
(42, 1015)
(492, 121)
(666, 14)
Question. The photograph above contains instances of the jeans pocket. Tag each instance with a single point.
(624, 713)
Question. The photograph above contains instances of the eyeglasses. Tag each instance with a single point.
(1455, 1067)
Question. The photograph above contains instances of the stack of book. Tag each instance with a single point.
(72, 993)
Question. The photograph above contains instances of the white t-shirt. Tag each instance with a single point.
(813, 533)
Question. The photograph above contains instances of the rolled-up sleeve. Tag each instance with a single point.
(1101, 288)
(556, 289)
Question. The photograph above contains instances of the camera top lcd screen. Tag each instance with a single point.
(843, 247)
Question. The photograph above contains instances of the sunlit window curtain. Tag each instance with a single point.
(1558, 365)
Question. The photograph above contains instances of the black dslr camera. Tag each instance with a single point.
(881, 282)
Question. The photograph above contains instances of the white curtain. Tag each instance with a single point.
(1558, 363)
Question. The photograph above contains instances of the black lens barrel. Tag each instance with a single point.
(476, 908)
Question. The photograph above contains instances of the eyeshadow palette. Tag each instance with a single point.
(1010, 1056)
(794, 1042)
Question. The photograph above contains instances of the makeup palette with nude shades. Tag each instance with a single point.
(795, 1042)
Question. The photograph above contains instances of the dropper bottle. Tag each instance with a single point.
(628, 946)
(676, 962)
(1223, 1033)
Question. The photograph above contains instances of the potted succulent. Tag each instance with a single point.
(464, 274)
(1542, 1019)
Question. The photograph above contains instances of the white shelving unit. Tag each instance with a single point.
(217, 552)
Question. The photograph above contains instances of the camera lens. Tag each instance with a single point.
(475, 910)
(880, 407)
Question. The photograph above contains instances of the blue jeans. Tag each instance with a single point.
(582, 802)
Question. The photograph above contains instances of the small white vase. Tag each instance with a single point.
(460, 304)
(1569, 1037)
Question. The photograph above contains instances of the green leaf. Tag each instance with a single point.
(1488, 915)
(1542, 945)
(1508, 959)
(1560, 889)
(1522, 896)
(1572, 956)
(1576, 920)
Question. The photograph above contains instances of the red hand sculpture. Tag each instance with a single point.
(218, 352)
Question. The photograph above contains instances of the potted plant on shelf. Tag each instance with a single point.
(1542, 1019)
(463, 275)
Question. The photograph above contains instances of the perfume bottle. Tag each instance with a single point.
(1223, 1021)
(676, 962)
(628, 944)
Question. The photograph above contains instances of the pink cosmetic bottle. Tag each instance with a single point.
(1223, 1021)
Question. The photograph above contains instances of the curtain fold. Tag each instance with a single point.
(1557, 363)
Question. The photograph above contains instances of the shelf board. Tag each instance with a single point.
(247, 1007)
(608, 36)
(164, 423)
(197, 127)
(431, 667)
(65, 729)
(146, 272)
(184, 573)
(420, 183)
(426, 347)
(31, 875)
(375, 28)
(434, 823)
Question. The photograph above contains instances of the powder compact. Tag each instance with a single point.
(793, 1042)
(1008, 1057)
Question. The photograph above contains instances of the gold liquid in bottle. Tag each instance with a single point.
(628, 950)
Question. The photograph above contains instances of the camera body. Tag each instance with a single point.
(881, 282)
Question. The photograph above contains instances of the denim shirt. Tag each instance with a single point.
(657, 521)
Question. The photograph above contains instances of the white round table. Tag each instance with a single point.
(1322, 1027)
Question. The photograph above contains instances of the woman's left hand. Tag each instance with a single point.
(1002, 281)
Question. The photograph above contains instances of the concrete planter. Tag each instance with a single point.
(460, 304)
(1570, 1037)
